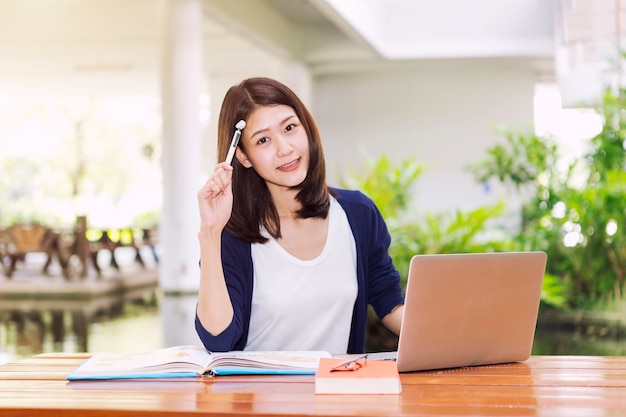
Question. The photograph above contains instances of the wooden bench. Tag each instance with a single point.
(73, 249)
(20, 239)
(112, 239)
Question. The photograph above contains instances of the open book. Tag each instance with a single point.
(192, 361)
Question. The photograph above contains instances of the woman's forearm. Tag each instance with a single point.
(215, 310)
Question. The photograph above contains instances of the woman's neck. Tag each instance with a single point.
(286, 203)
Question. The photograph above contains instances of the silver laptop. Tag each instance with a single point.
(470, 309)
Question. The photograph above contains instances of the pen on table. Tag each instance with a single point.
(349, 365)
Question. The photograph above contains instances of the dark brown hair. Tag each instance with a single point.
(252, 203)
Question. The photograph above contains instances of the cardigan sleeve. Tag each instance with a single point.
(237, 266)
(383, 283)
(382, 279)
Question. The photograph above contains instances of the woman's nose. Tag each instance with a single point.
(283, 146)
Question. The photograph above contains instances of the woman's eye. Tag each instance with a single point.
(262, 140)
(290, 127)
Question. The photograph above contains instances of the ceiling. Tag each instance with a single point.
(96, 46)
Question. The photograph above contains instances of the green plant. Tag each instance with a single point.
(455, 232)
(580, 224)
(521, 160)
(390, 184)
(387, 183)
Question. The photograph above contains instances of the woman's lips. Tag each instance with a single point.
(290, 166)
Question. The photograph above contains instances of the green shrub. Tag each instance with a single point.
(390, 186)
(576, 215)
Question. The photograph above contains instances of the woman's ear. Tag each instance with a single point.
(242, 158)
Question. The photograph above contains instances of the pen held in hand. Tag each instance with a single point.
(233, 144)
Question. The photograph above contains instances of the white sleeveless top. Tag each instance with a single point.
(305, 304)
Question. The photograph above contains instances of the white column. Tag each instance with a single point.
(182, 84)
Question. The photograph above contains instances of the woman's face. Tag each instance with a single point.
(276, 146)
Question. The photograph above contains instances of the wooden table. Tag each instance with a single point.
(544, 385)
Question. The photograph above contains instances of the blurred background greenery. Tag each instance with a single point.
(573, 214)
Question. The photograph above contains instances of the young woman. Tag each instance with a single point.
(287, 263)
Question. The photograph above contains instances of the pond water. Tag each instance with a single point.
(560, 334)
(116, 324)
(139, 322)
(567, 342)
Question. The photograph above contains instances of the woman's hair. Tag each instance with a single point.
(252, 203)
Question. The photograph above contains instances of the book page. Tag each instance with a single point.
(173, 359)
(189, 361)
(269, 359)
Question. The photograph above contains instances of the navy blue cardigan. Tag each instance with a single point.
(378, 279)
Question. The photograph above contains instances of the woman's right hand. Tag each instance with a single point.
(215, 199)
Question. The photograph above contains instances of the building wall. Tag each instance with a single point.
(442, 113)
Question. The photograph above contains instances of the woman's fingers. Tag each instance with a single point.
(218, 182)
(215, 198)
